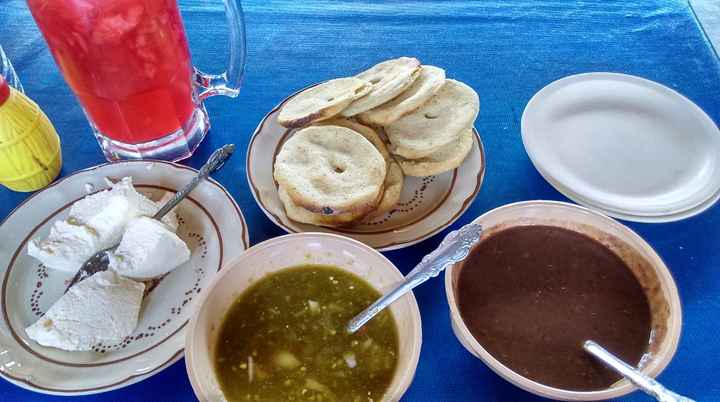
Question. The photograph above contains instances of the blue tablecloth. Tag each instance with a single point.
(506, 50)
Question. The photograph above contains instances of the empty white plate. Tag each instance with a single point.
(629, 147)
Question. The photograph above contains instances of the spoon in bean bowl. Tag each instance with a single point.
(648, 385)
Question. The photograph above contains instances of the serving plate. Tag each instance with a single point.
(626, 146)
(629, 216)
(427, 204)
(210, 223)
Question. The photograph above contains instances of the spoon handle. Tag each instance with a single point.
(454, 248)
(215, 162)
(645, 383)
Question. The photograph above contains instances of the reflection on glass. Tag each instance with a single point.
(7, 71)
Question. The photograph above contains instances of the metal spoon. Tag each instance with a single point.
(99, 261)
(453, 249)
(648, 385)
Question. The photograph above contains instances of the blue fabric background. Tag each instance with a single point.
(506, 50)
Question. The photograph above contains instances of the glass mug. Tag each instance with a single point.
(128, 63)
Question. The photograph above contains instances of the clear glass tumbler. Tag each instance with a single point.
(128, 63)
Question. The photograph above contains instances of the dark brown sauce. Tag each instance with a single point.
(531, 295)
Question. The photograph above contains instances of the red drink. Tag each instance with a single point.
(129, 65)
(126, 60)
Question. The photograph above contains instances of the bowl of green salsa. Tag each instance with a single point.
(271, 326)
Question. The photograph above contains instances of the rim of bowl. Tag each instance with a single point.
(406, 377)
(625, 387)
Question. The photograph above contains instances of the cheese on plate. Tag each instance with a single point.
(96, 222)
(148, 249)
(103, 308)
(67, 246)
(108, 212)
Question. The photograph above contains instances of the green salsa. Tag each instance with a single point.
(284, 339)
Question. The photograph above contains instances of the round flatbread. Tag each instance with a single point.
(438, 122)
(322, 101)
(388, 79)
(428, 83)
(369, 133)
(302, 215)
(331, 170)
(445, 159)
(393, 180)
(393, 190)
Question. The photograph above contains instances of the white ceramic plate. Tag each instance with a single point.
(636, 218)
(626, 146)
(427, 205)
(210, 222)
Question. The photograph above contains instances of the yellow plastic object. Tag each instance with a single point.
(30, 156)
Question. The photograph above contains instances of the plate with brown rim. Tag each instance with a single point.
(427, 205)
(210, 222)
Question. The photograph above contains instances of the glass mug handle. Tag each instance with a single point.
(228, 82)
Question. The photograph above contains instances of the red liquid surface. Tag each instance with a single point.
(126, 60)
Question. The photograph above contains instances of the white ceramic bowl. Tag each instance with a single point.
(643, 261)
(283, 252)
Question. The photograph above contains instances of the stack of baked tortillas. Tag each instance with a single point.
(365, 133)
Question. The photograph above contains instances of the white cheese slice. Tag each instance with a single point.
(103, 308)
(96, 222)
(67, 246)
(148, 249)
(109, 211)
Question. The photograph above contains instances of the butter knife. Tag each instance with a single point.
(453, 249)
